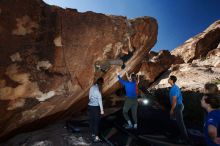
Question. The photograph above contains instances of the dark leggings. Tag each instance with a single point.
(94, 119)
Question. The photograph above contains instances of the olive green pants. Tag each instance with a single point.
(133, 105)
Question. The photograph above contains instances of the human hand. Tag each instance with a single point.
(172, 117)
(139, 73)
(171, 113)
(102, 112)
(117, 73)
(217, 140)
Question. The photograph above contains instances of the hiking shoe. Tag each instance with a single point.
(128, 126)
(123, 66)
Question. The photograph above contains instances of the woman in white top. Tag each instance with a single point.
(95, 108)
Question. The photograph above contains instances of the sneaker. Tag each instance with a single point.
(97, 139)
(123, 66)
(135, 126)
(128, 126)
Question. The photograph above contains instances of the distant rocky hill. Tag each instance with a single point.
(200, 45)
(200, 64)
(201, 55)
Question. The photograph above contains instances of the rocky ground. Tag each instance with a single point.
(153, 120)
(51, 56)
(54, 135)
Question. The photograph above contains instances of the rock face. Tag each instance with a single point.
(48, 57)
(199, 45)
(157, 64)
(203, 53)
(191, 77)
(201, 56)
(215, 53)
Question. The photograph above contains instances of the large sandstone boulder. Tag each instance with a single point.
(48, 56)
(199, 45)
(154, 66)
(215, 52)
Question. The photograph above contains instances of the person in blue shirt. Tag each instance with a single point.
(176, 101)
(209, 89)
(130, 101)
(211, 103)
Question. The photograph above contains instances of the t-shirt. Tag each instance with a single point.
(213, 118)
(130, 88)
(95, 97)
(175, 91)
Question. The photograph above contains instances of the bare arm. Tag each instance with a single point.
(128, 77)
(212, 131)
(123, 82)
(173, 105)
(101, 106)
(124, 52)
(129, 44)
(138, 78)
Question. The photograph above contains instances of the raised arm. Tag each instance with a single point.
(123, 82)
(128, 77)
(138, 78)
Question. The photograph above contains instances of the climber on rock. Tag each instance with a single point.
(105, 64)
(130, 101)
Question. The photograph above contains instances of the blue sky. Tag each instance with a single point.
(178, 20)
